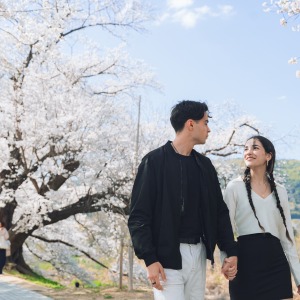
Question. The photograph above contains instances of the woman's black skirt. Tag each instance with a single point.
(263, 270)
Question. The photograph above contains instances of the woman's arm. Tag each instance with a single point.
(288, 247)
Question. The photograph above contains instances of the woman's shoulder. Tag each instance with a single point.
(281, 188)
(235, 184)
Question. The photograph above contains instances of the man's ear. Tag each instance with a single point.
(190, 124)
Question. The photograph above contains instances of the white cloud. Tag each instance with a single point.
(177, 4)
(162, 18)
(186, 14)
(282, 98)
(186, 18)
(226, 9)
(203, 10)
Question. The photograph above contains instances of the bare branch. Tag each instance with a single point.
(255, 129)
(104, 25)
(72, 246)
(224, 154)
(217, 150)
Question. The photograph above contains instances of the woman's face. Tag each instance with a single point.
(255, 154)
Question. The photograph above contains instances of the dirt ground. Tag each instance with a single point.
(111, 292)
(114, 293)
(82, 293)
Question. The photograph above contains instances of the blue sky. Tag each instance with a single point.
(225, 50)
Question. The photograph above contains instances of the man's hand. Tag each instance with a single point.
(155, 272)
(229, 268)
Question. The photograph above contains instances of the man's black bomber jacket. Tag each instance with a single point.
(156, 205)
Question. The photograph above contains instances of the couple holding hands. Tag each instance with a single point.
(178, 215)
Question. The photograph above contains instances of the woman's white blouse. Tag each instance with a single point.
(244, 222)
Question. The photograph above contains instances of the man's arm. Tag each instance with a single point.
(225, 238)
(140, 221)
(141, 212)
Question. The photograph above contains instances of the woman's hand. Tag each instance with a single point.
(229, 268)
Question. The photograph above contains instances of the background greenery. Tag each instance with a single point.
(291, 171)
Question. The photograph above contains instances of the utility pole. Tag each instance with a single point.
(137, 141)
(121, 264)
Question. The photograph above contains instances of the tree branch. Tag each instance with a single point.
(255, 129)
(72, 246)
(217, 150)
(108, 24)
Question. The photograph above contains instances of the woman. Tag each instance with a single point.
(260, 215)
(4, 244)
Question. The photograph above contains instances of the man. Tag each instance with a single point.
(177, 213)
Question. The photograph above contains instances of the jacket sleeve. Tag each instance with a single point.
(288, 247)
(225, 238)
(141, 211)
(230, 201)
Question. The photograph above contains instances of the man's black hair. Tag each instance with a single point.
(185, 110)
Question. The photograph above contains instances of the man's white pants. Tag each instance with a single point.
(189, 282)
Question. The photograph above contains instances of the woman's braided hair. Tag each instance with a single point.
(269, 148)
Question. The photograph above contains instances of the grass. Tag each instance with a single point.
(37, 279)
(45, 266)
(98, 283)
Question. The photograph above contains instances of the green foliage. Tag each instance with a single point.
(290, 169)
(87, 263)
(74, 281)
(98, 283)
(46, 266)
(95, 284)
(107, 296)
(37, 279)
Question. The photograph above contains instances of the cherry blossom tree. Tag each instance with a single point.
(67, 136)
(98, 236)
(64, 97)
(289, 10)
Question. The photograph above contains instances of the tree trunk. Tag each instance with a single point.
(17, 242)
(86, 204)
(20, 263)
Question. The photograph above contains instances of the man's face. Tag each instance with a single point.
(201, 130)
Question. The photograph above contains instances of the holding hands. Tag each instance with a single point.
(229, 268)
